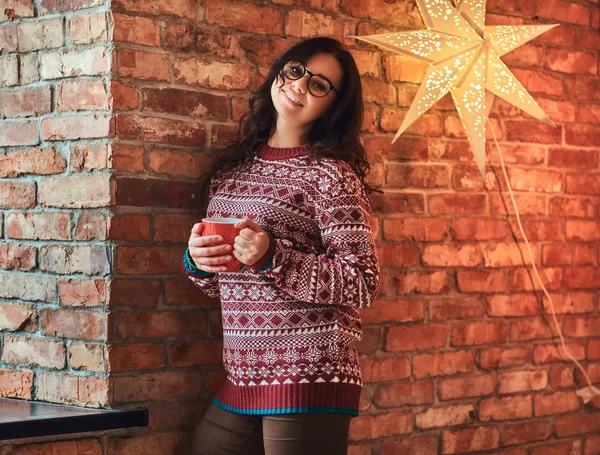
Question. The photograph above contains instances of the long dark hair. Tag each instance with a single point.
(335, 135)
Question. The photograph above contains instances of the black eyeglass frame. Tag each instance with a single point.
(310, 75)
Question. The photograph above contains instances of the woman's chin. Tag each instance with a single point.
(286, 110)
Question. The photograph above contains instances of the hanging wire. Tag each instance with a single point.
(587, 393)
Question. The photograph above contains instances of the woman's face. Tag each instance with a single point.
(294, 102)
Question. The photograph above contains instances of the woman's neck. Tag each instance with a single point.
(286, 135)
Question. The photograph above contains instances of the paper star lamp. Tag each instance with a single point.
(464, 59)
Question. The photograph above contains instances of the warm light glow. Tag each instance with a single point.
(464, 58)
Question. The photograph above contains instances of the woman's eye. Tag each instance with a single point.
(319, 86)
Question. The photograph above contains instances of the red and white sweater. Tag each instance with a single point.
(291, 321)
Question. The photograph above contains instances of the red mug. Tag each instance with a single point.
(225, 228)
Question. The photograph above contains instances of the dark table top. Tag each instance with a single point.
(27, 419)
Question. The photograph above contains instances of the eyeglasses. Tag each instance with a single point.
(318, 85)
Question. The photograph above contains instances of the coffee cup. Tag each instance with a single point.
(225, 227)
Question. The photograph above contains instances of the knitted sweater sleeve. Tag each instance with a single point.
(207, 282)
(348, 272)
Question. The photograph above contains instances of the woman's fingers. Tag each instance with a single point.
(206, 241)
(213, 251)
(213, 264)
(242, 253)
(208, 261)
(248, 234)
(208, 258)
(211, 258)
(243, 242)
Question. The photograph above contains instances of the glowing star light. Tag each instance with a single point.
(464, 59)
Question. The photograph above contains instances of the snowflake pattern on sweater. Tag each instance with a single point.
(290, 327)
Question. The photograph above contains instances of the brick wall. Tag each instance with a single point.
(55, 132)
(107, 118)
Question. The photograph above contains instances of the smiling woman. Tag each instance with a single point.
(300, 96)
(295, 178)
(330, 123)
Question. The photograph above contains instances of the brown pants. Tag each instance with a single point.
(222, 432)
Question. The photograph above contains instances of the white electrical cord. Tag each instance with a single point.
(587, 393)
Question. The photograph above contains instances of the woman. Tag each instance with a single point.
(295, 176)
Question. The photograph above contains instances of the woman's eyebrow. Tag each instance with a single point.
(318, 74)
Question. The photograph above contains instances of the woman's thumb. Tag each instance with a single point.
(197, 229)
(246, 223)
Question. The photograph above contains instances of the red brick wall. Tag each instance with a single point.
(55, 133)
(110, 117)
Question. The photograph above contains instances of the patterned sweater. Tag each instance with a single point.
(291, 321)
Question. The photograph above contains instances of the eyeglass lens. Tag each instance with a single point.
(317, 85)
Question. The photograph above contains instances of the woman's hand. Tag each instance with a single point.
(206, 257)
(251, 244)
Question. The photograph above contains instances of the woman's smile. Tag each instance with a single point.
(292, 99)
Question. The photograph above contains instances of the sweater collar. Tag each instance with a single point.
(281, 153)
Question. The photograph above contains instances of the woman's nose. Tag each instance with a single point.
(300, 84)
